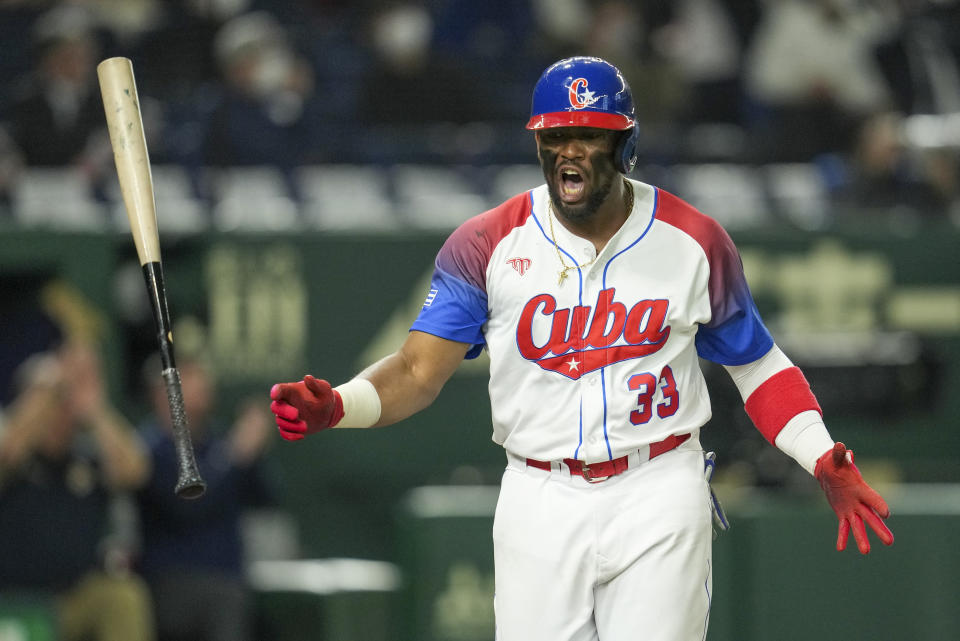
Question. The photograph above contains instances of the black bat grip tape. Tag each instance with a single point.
(189, 483)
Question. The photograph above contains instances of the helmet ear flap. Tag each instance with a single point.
(625, 153)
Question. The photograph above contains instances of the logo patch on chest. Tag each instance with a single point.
(572, 342)
(520, 265)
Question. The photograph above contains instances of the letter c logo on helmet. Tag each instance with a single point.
(587, 92)
(580, 100)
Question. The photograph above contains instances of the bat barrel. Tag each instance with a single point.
(121, 106)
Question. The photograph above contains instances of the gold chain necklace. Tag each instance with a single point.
(564, 267)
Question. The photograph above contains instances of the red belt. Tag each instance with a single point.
(594, 472)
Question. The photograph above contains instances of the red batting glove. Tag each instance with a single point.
(851, 498)
(305, 407)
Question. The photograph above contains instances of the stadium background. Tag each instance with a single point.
(303, 242)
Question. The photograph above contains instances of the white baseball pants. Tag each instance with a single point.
(626, 559)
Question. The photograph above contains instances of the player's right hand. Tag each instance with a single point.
(305, 407)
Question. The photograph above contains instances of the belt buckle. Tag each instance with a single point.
(588, 475)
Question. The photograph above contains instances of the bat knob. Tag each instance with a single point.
(190, 488)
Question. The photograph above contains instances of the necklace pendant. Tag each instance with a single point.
(563, 276)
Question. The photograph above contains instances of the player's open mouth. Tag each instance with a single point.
(571, 184)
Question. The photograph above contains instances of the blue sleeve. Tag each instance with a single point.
(741, 339)
(455, 310)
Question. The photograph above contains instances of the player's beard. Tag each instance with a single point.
(602, 169)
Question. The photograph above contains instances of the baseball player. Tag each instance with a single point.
(595, 295)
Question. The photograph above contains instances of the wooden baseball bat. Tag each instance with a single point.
(122, 107)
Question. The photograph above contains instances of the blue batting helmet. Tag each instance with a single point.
(587, 92)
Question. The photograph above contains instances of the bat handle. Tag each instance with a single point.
(189, 483)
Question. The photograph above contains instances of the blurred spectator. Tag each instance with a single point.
(560, 26)
(192, 553)
(65, 453)
(261, 115)
(56, 114)
(811, 71)
(921, 59)
(176, 57)
(705, 39)
(407, 82)
(884, 174)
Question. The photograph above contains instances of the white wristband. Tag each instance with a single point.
(805, 439)
(361, 403)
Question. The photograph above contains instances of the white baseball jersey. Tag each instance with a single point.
(607, 361)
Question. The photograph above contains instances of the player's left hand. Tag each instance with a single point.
(305, 407)
(852, 499)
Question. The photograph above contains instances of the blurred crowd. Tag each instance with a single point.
(91, 526)
(864, 92)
